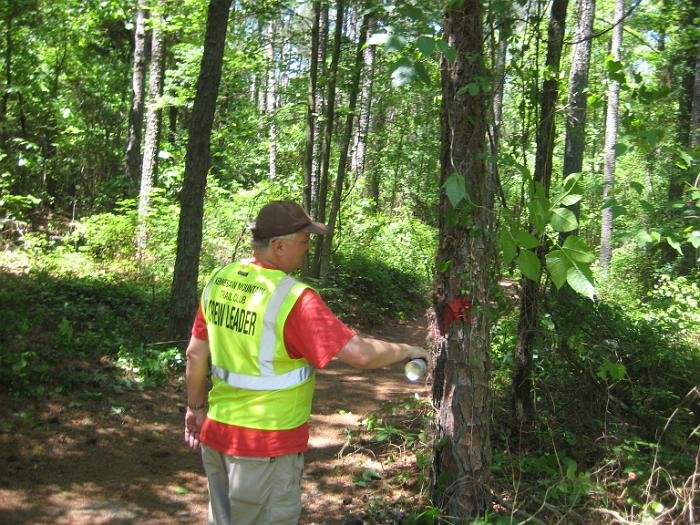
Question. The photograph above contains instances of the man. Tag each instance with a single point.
(265, 333)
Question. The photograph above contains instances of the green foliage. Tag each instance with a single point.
(64, 333)
(384, 270)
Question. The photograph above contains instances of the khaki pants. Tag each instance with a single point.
(253, 491)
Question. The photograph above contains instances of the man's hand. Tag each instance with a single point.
(193, 424)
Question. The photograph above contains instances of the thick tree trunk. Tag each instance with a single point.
(344, 148)
(311, 108)
(183, 295)
(328, 135)
(133, 141)
(151, 144)
(575, 141)
(523, 408)
(611, 121)
(461, 390)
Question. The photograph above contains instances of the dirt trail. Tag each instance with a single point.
(120, 458)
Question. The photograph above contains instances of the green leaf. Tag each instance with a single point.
(525, 239)
(404, 73)
(394, 43)
(636, 186)
(422, 72)
(563, 220)
(426, 45)
(570, 200)
(529, 265)
(508, 246)
(620, 149)
(618, 210)
(539, 212)
(580, 278)
(694, 239)
(445, 265)
(181, 490)
(646, 206)
(644, 238)
(608, 369)
(675, 245)
(447, 50)
(455, 189)
(557, 266)
(576, 249)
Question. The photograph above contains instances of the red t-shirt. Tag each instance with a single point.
(311, 331)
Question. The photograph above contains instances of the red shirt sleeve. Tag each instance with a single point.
(313, 332)
(199, 328)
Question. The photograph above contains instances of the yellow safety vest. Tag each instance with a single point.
(255, 382)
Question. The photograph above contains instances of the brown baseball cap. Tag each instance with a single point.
(278, 218)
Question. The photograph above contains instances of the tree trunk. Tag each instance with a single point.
(523, 408)
(695, 112)
(328, 136)
(183, 295)
(611, 121)
(359, 151)
(321, 109)
(575, 141)
(133, 143)
(373, 178)
(499, 51)
(271, 97)
(151, 144)
(311, 108)
(465, 259)
(344, 148)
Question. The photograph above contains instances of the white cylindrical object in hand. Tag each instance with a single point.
(415, 368)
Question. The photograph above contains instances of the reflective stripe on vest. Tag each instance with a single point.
(267, 380)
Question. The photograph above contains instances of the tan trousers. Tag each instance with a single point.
(253, 491)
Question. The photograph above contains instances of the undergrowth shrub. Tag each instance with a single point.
(616, 404)
(62, 333)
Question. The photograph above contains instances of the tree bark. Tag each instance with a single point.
(611, 122)
(465, 259)
(359, 151)
(183, 295)
(344, 148)
(328, 136)
(575, 141)
(523, 408)
(133, 143)
(151, 144)
(311, 108)
(271, 99)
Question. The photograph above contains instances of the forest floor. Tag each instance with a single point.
(120, 458)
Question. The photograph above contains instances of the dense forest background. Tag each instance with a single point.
(582, 272)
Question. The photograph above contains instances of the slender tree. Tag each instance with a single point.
(611, 124)
(312, 107)
(151, 144)
(138, 69)
(360, 146)
(523, 409)
(271, 98)
(344, 148)
(575, 141)
(183, 294)
(328, 134)
(461, 390)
